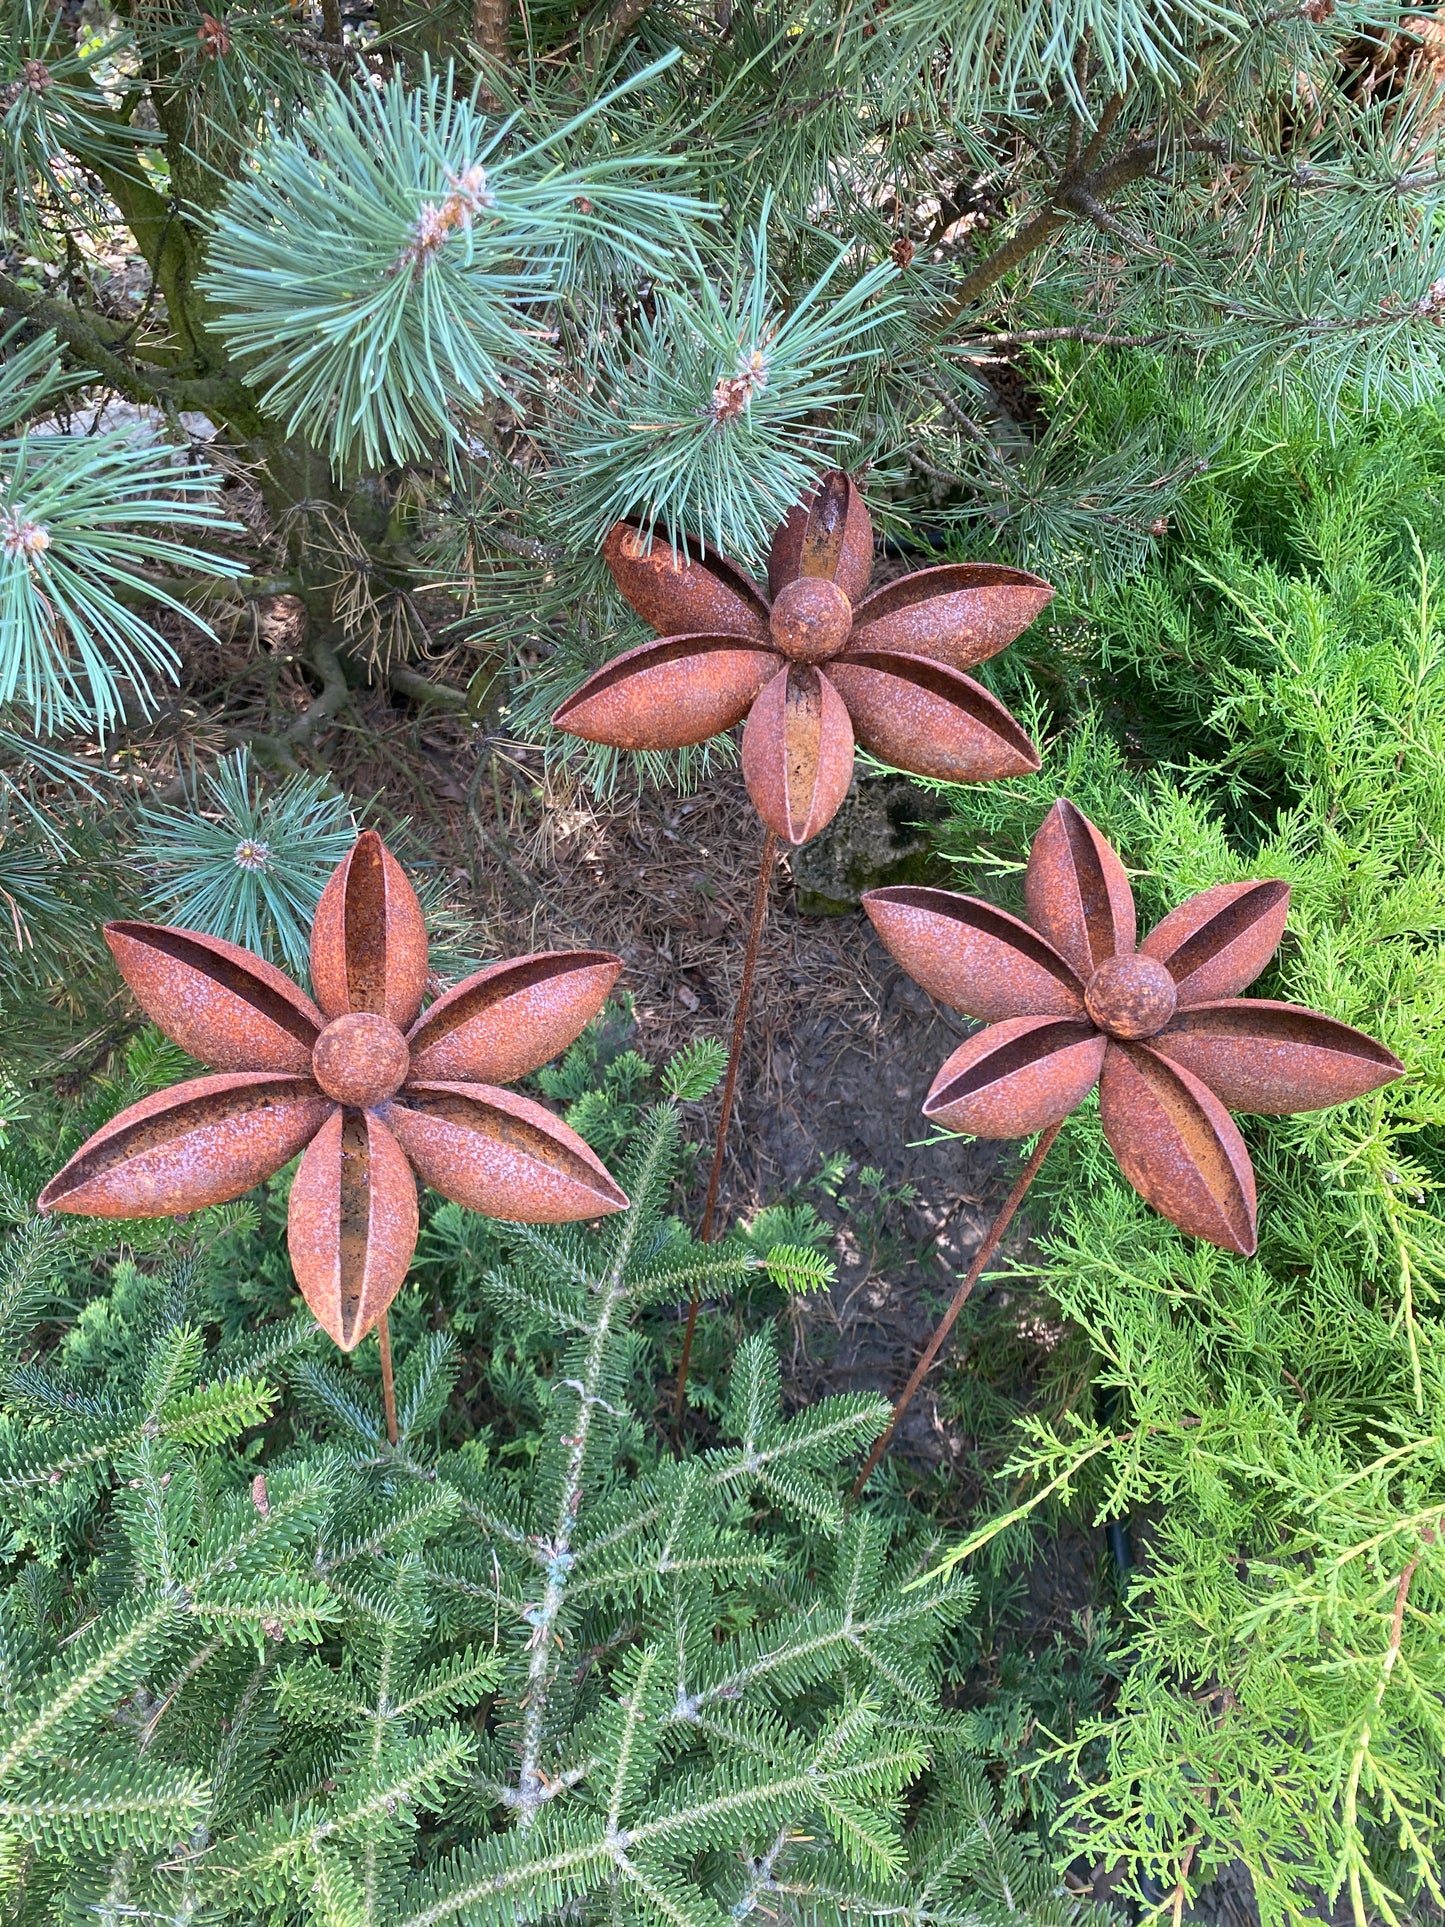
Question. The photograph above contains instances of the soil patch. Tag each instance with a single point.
(842, 1047)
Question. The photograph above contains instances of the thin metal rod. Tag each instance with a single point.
(730, 1084)
(960, 1298)
(388, 1384)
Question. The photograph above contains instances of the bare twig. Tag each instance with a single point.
(1093, 337)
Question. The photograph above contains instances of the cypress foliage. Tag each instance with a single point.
(1274, 1428)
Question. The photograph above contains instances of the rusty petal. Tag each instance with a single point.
(1077, 892)
(968, 954)
(798, 753)
(200, 1143)
(368, 941)
(1016, 1077)
(505, 1021)
(698, 594)
(352, 1223)
(828, 534)
(960, 614)
(226, 1007)
(502, 1155)
(668, 694)
(927, 718)
(1219, 941)
(1178, 1146)
(1257, 1055)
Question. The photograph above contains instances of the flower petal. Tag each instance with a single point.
(1219, 941)
(1256, 1055)
(960, 614)
(971, 956)
(798, 753)
(700, 593)
(505, 1021)
(368, 942)
(927, 718)
(668, 694)
(1178, 1147)
(829, 534)
(1077, 892)
(203, 1142)
(226, 1007)
(1016, 1077)
(502, 1155)
(351, 1227)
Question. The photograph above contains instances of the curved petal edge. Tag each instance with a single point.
(1016, 1077)
(1178, 1147)
(196, 1144)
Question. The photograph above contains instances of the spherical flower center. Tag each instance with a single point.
(360, 1059)
(1131, 996)
(811, 619)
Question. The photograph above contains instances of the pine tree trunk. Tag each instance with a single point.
(491, 25)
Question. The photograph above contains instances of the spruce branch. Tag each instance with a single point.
(542, 1618)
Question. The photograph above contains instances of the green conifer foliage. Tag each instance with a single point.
(456, 288)
(256, 1665)
(1275, 1427)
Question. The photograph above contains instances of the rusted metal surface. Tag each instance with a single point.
(368, 940)
(798, 753)
(506, 1020)
(501, 1154)
(227, 1008)
(368, 1101)
(352, 1224)
(203, 1142)
(1072, 1001)
(813, 663)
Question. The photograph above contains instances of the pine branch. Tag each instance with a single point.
(84, 340)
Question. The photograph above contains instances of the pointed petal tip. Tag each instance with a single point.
(971, 956)
(798, 753)
(1016, 1077)
(511, 1018)
(1217, 942)
(699, 593)
(227, 1008)
(670, 694)
(502, 1154)
(958, 613)
(829, 533)
(352, 1223)
(1077, 891)
(195, 1144)
(368, 937)
(1276, 1059)
(1179, 1147)
(929, 719)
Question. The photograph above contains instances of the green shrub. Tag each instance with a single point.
(1268, 699)
(256, 1665)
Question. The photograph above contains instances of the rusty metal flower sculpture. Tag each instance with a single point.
(814, 664)
(374, 1090)
(1072, 1000)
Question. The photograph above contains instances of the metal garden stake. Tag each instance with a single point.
(1071, 1001)
(374, 1090)
(816, 665)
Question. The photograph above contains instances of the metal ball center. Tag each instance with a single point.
(1131, 996)
(811, 619)
(360, 1059)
